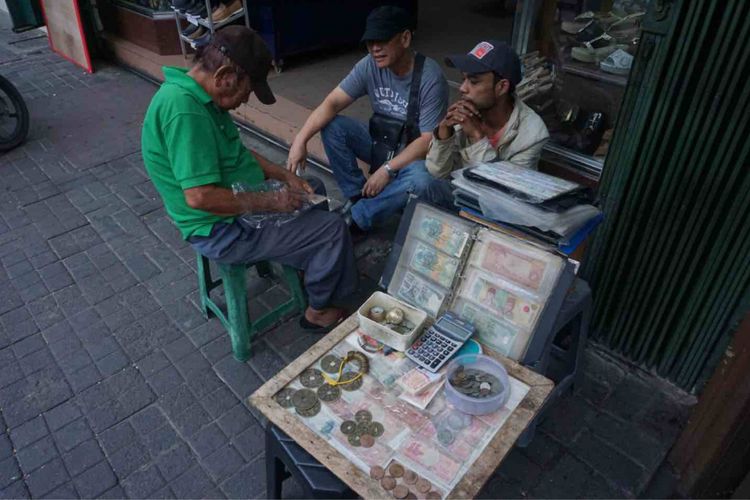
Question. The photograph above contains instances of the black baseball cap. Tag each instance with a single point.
(383, 23)
(489, 55)
(247, 50)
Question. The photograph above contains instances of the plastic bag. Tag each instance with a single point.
(263, 219)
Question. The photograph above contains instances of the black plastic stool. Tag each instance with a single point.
(284, 458)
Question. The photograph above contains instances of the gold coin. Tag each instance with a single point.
(423, 485)
(410, 477)
(396, 469)
(388, 483)
(400, 491)
(366, 441)
(377, 472)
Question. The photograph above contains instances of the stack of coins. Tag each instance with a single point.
(402, 482)
(362, 431)
(306, 403)
(475, 383)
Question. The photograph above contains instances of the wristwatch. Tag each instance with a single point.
(391, 173)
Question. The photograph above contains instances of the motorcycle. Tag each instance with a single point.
(14, 116)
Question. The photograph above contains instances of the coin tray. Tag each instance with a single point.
(382, 333)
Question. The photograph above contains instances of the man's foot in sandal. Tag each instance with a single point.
(322, 320)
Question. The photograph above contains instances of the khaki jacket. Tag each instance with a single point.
(521, 145)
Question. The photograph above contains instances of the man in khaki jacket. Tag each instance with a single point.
(487, 124)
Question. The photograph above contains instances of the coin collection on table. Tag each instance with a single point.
(475, 383)
(320, 386)
(362, 431)
(402, 482)
(392, 318)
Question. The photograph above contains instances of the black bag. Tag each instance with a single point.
(391, 135)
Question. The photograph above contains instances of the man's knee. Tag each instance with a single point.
(419, 178)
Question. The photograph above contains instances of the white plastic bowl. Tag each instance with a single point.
(477, 406)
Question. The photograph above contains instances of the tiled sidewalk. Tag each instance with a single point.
(113, 385)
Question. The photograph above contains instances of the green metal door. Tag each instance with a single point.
(25, 14)
(671, 265)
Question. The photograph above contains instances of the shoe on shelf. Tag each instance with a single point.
(182, 5)
(202, 40)
(578, 24)
(595, 50)
(233, 7)
(219, 13)
(199, 10)
(192, 28)
(201, 31)
(618, 62)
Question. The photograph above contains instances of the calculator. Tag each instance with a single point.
(440, 342)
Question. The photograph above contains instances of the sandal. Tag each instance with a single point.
(595, 50)
(311, 327)
(618, 62)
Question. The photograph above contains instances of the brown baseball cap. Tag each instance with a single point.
(247, 50)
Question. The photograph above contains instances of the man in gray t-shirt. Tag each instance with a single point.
(385, 76)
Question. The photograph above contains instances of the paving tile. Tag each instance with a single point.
(64, 492)
(207, 440)
(565, 480)
(129, 459)
(117, 437)
(191, 420)
(83, 456)
(144, 482)
(6, 447)
(219, 401)
(29, 345)
(235, 421)
(161, 440)
(194, 483)
(148, 420)
(16, 489)
(238, 376)
(73, 434)
(251, 442)
(165, 380)
(175, 461)
(9, 472)
(37, 454)
(95, 481)
(61, 415)
(248, 482)
(610, 463)
(28, 433)
(47, 478)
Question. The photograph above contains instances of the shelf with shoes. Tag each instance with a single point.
(577, 57)
(204, 17)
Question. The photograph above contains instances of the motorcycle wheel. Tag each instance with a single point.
(14, 116)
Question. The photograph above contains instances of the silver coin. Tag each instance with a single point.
(445, 437)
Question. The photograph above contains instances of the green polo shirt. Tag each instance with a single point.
(187, 141)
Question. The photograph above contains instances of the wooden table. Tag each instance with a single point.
(360, 481)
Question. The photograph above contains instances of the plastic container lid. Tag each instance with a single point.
(477, 406)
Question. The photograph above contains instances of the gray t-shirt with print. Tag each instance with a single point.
(389, 94)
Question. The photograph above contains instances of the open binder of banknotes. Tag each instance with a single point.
(510, 289)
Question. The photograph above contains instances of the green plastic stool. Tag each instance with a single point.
(236, 320)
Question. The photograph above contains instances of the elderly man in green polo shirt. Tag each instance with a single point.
(193, 154)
